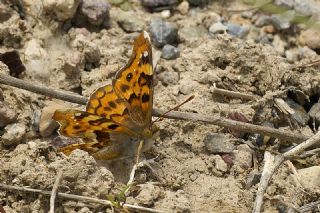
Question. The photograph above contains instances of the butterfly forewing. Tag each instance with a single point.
(134, 82)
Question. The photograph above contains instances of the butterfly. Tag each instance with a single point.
(119, 115)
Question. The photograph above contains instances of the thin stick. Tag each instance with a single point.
(272, 163)
(78, 197)
(54, 191)
(215, 120)
(233, 94)
(310, 64)
(310, 206)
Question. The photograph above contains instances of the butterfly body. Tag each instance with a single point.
(117, 116)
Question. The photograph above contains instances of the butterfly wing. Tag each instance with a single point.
(134, 82)
(103, 132)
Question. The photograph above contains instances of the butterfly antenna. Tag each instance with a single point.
(160, 118)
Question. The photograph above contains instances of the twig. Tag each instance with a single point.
(215, 120)
(79, 198)
(54, 191)
(216, 90)
(310, 64)
(310, 206)
(309, 153)
(272, 163)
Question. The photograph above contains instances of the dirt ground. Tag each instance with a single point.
(185, 175)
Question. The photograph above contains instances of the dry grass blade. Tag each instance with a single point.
(54, 191)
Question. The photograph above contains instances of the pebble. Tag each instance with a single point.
(90, 50)
(163, 32)
(168, 78)
(183, 7)
(220, 164)
(63, 10)
(187, 87)
(7, 115)
(14, 134)
(192, 33)
(307, 8)
(158, 3)
(170, 52)
(148, 194)
(95, 12)
(283, 21)
(300, 115)
(309, 177)
(310, 38)
(217, 143)
(165, 14)
(46, 124)
(129, 22)
(243, 156)
(237, 30)
(217, 28)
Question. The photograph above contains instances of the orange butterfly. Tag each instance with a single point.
(117, 116)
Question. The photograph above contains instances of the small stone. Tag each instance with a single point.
(129, 22)
(311, 38)
(148, 194)
(209, 77)
(300, 115)
(90, 50)
(7, 115)
(158, 3)
(292, 55)
(243, 156)
(252, 179)
(188, 87)
(220, 164)
(217, 28)
(264, 39)
(170, 52)
(218, 143)
(263, 20)
(96, 12)
(237, 30)
(282, 21)
(165, 14)
(14, 134)
(192, 33)
(307, 8)
(183, 7)
(168, 78)
(309, 177)
(46, 124)
(63, 9)
(163, 33)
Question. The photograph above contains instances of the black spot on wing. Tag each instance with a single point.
(145, 98)
(112, 104)
(77, 127)
(113, 126)
(145, 79)
(97, 122)
(124, 87)
(129, 77)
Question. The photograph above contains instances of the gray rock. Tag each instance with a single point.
(14, 134)
(262, 21)
(158, 3)
(264, 39)
(300, 115)
(192, 33)
(148, 193)
(198, 2)
(217, 28)
(96, 12)
(7, 115)
(218, 143)
(282, 21)
(170, 52)
(129, 22)
(237, 30)
(163, 32)
(168, 77)
(307, 8)
(252, 179)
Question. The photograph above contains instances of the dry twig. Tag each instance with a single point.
(310, 64)
(54, 191)
(215, 120)
(79, 198)
(310, 206)
(233, 94)
(272, 163)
